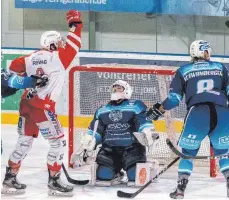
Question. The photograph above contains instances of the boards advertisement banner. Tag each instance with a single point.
(175, 7)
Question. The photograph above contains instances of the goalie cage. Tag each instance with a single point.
(89, 89)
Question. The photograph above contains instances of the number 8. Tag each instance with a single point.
(204, 85)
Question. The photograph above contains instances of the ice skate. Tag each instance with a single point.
(11, 185)
(179, 192)
(58, 188)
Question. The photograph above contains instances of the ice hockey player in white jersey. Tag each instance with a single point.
(37, 114)
(120, 126)
(11, 83)
(205, 84)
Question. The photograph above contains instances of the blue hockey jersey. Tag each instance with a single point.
(202, 81)
(118, 122)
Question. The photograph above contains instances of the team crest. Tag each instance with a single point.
(115, 115)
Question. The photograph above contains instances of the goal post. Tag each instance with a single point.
(89, 89)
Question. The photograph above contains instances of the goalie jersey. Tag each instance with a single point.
(118, 122)
(201, 82)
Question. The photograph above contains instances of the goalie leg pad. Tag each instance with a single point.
(105, 173)
(108, 177)
(132, 155)
(56, 154)
(23, 146)
(104, 158)
(131, 173)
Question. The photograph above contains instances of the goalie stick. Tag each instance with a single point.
(132, 195)
(73, 181)
(180, 154)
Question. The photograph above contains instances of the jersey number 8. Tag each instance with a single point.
(204, 85)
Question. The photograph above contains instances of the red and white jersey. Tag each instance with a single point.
(51, 63)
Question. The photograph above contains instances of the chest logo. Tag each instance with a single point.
(115, 115)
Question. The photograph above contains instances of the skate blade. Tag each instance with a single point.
(177, 197)
(12, 191)
(58, 193)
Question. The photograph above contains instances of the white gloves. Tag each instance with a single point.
(84, 150)
(148, 138)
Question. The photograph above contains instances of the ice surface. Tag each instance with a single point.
(34, 174)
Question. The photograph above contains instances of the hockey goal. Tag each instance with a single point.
(89, 89)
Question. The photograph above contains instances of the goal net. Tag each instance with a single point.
(89, 88)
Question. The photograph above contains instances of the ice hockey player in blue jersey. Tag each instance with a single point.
(122, 129)
(11, 83)
(206, 88)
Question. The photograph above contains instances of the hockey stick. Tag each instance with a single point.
(73, 181)
(132, 195)
(178, 153)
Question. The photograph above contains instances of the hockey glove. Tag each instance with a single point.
(154, 113)
(41, 81)
(85, 149)
(73, 18)
(148, 137)
(32, 92)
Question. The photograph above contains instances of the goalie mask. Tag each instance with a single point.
(120, 90)
(198, 49)
(51, 40)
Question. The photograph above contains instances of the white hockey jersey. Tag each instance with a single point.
(51, 63)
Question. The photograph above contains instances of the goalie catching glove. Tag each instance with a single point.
(84, 150)
(148, 138)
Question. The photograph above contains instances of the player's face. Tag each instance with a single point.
(206, 55)
(61, 44)
(118, 88)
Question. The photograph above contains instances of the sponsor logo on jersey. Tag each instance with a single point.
(39, 62)
(191, 136)
(224, 140)
(20, 80)
(190, 142)
(115, 115)
(51, 116)
(45, 131)
(118, 126)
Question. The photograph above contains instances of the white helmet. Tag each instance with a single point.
(126, 94)
(198, 47)
(49, 38)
